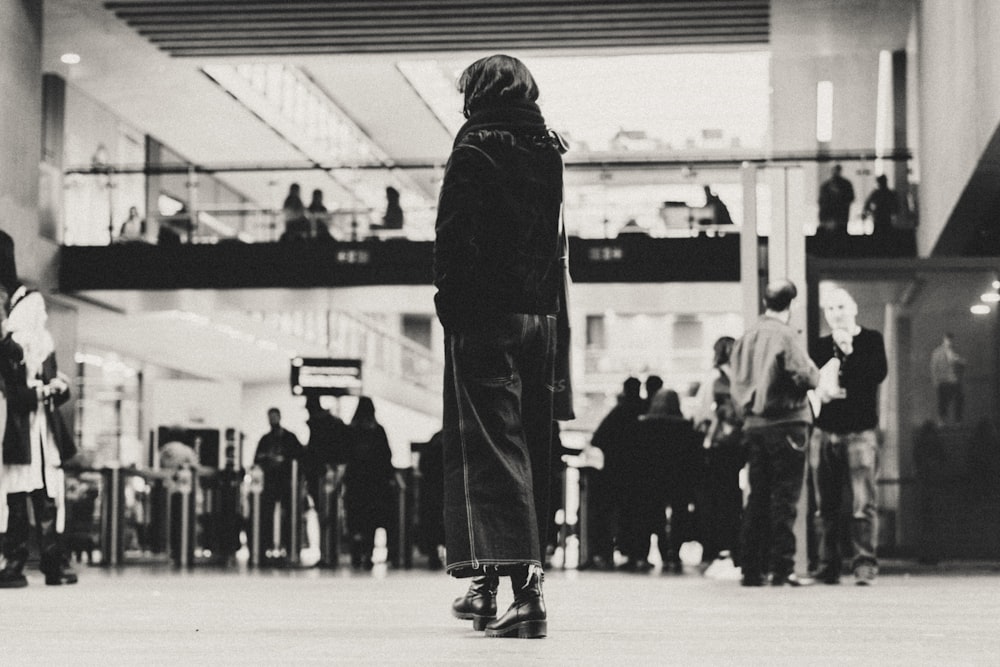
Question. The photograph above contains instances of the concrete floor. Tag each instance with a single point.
(155, 616)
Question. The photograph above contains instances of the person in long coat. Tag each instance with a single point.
(368, 480)
(36, 443)
(498, 276)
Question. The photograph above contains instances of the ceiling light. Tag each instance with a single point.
(996, 284)
(990, 297)
(980, 309)
(70, 58)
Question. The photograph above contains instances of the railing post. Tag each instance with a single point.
(329, 543)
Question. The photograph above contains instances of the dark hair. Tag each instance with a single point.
(631, 387)
(654, 383)
(275, 410)
(494, 81)
(779, 294)
(364, 414)
(722, 350)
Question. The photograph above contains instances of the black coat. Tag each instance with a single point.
(22, 401)
(497, 230)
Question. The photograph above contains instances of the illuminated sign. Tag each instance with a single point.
(326, 377)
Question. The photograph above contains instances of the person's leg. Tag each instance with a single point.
(831, 474)
(959, 399)
(755, 518)
(862, 454)
(943, 395)
(787, 445)
(15, 543)
(48, 541)
(495, 460)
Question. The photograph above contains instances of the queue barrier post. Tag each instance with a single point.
(294, 516)
(112, 517)
(329, 543)
(256, 488)
(184, 488)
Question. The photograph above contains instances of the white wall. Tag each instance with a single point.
(959, 75)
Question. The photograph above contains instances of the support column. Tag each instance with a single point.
(749, 246)
(786, 258)
(21, 138)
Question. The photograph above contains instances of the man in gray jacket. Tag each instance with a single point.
(772, 372)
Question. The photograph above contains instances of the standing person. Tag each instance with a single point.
(844, 443)
(615, 436)
(393, 218)
(318, 217)
(368, 480)
(882, 205)
(947, 367)
(721, 509)
(327, 446)
(771, 375)
(835, 197)
(662, 473)
(654, 383)
(275, 453)
(498, 276)
(36, 443)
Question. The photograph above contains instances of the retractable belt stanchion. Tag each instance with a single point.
(294, 516)
(403, 541)
(583, 515)
(564, 526)
(256, 488)
(112, 517)
(329, 544)
(185, 489)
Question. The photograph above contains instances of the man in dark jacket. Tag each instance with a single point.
(771, 374)
(275, 452)
(844, 444)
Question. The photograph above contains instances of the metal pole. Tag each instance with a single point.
(256, 487)
(329, 555)
(294, 516)
(401, 538)
(184, 488)
(583, 515)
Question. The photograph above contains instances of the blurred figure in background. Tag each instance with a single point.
(430, 519)
(721, 499)
(368, 479)
(614, 437)
(845, 441)
(275, 453)
(36, 443)
(771, 375)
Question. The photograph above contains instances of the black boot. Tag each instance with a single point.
(48, 541)
(15, 545)
(525, 619)
(479, 604)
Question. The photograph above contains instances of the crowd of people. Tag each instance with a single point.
(358, 456)
(771, 407)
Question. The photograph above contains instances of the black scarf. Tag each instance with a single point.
(521, 117)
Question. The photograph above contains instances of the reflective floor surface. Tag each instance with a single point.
(159, 616)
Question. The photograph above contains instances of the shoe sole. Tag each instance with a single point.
(522, 630)
(478, 622)
(14, 584)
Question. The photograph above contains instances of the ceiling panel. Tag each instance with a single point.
(187, 28)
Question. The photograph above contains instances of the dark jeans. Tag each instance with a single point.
(777, 456)
(497, 441)
(843, 458)
(948, 394)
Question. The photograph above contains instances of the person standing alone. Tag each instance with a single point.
(771, 375)
(498, 275)
(845, 444)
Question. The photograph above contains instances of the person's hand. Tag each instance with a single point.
(57, 386)
(844, 340)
